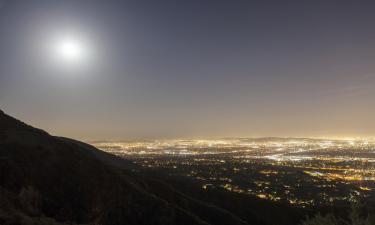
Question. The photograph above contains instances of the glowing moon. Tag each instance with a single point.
(70, 50)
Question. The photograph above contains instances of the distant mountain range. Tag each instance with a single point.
(281, 139)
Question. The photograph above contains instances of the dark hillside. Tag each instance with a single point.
(51, 180)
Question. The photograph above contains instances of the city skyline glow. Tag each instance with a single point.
(97, 70)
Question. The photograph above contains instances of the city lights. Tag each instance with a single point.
(273, 169)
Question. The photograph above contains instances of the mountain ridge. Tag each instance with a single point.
(53, 180)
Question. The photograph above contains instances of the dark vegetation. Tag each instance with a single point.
(53, 180)
(359, 214)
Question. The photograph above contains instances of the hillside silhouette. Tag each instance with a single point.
(52, 180)
(46, 179)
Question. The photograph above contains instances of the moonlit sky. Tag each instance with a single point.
(185, 69)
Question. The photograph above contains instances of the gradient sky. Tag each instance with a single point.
(197, 68)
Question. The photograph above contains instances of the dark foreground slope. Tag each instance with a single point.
(51, 180)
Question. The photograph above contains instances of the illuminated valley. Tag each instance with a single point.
(303, 172)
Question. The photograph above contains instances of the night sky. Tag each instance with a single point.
(190, 69)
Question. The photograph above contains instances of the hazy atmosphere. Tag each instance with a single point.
(195, 112)
(167, 69)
